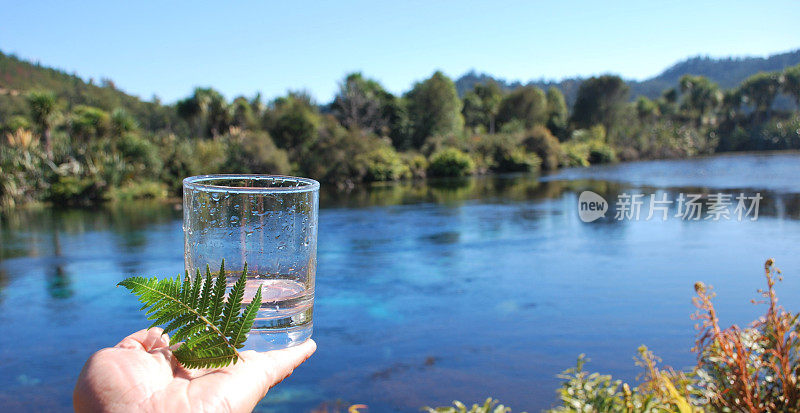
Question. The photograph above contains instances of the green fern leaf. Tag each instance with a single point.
(217, 294)
(245, 322)
(196, 310)
(206, 293)
(234, 304)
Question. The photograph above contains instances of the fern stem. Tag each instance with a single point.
(200, 316)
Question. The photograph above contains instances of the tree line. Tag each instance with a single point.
(57, 150)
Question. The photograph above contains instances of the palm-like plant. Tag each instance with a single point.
(42, 105)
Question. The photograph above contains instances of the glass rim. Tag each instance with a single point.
(204, 182)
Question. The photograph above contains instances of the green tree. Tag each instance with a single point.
(434, 109)
(396, 112)
(293, 122)
(206, 111)
(482, 104)
(557, 113)
(668, 102)
(242, 114)
(600, 101)
(646, 109)
(474, 115)
(791, 83)
(700, 96)
(254, 152)
(42, 105)
(527, 104)
(361, 103)
(731, 103)
(760, 90)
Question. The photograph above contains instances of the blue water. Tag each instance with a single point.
(426, 292)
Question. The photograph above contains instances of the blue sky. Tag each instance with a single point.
(167, 48)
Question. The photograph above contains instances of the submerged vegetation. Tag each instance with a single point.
(72, 142)
(753, 369)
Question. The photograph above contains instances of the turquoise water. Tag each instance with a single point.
(426, 293)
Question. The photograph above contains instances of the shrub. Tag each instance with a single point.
(383, 164)
(141, 154)
(138, 190)
(23, 175)
(540, 141)
(337, 156)
(504, 153)
(588, 146)
(450, 162)
(754, 369)
(779, 134)
(489, 406)
(600, 152)
(437, 143)
(576, 154)
(254, 152)
(416, 163)
(16, 122)
(76, 190)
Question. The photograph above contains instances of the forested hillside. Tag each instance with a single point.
(18, 77)
(726, 72)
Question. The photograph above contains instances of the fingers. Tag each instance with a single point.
(247, 381)
(277, 365)
(145, 340)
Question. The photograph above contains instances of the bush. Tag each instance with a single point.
(252, 152)
(540, 141)
(437, 143)
(383, 164)
(141, 154)
(600, 152)
(754, 369)
(416, 163)
(588, 146)
(576, 154)
(503, 153)
(16, 122)
(779, 134)
(76, 190)
(138, 190)
(337, 155)
(450, 162)
(489, 406)
(23, 175)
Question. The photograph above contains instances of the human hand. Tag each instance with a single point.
(141, 374)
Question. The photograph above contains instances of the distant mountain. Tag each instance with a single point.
(727, 72)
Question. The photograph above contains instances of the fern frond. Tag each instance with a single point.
(206, 293)
(245, 323)
(234, 304)
(196, 310)
(217, 293)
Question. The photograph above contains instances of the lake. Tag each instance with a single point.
(428, 292)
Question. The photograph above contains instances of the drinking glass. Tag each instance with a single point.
(268, 222)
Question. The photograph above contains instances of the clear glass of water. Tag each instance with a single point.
(268, 222)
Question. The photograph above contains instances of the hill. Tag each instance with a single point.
(18, 77)
(727, 72)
